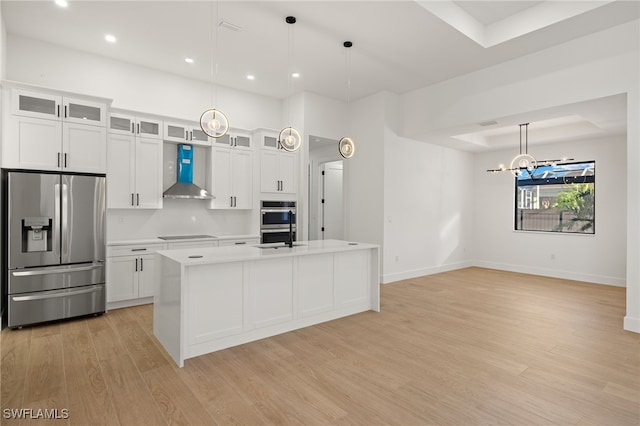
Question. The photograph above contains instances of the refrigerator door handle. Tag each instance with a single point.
(64, 232)
(56, 219)
(55, 270)
(51, 296)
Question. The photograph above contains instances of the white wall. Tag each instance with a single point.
(364, 172)
(598, 258)
(428, 207)
(599, 65)
(134, 87)
(3, 47)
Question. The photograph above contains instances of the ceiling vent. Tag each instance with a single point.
(488, 123)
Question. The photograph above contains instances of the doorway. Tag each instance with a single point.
(325, 192)
(331, 202)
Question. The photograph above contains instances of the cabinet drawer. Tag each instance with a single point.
(134, 249)
(240, 242)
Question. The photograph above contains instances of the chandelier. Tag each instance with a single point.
(524, 162)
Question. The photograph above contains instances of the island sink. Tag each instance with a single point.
(277, 245)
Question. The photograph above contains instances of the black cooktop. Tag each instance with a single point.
(185, 237)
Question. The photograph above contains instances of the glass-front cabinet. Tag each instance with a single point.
(190, 133)
(132, 124)
(55, 107)
(234, 138)
(49, 130)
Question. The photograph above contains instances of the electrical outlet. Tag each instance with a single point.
(553, 256)
(397, 258)
(121, 219)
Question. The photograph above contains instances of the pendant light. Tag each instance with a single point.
(525, 161)
(346, 146)
(213, 121)
(522, 161)
(289, 138)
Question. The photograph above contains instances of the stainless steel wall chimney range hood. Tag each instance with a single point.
(184, 187)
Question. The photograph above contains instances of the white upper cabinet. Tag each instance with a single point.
(47, 131)
(231, 172)
(132, 124)
(134, 173)
(277, 166)
(190, 133)
(55, 107)
(236, 138)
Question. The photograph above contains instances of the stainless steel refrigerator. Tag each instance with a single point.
(54, 258)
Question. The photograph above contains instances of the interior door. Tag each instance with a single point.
(333, 206)
(83, 218)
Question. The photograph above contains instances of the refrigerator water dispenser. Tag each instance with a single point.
(36, 235)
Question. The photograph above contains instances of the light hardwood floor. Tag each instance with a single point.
(467, 347)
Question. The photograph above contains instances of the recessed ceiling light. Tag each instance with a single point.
(188, 60)
(251, 77)
(110, 38)
(62, 3)
(295, 75)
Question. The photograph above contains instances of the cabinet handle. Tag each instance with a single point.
(65, 111)
(138, 128)
(186, 135)
(132, 199)
(190, 136)
(137, 199)
(141, 264)
(235, 202)
(58, 159)
(133, 130)
(136, 264)
(65, 159)
(240, 243)
(58, 113)
(140, 249)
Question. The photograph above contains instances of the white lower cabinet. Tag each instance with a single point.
(131, 272)
(217, 310)
(315, 284)
(352, 272)
(271, 289)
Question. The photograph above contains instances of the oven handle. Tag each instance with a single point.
(277, 211)
(55, 270)
(53, 295)
(271, 231)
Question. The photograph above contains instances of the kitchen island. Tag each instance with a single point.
(207, 299)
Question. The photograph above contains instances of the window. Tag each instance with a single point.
(557, 198)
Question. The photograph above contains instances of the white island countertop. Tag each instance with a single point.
(211, 255)
(210, 298)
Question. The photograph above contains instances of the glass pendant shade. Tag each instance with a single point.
(289, 139)
(346, 147)
(214, 123)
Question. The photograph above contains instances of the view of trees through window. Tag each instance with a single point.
(557, 198)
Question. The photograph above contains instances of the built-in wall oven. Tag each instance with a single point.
(277, 219)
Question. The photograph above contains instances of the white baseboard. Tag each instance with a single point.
(413, 273)
(632, 324)
(555, 273)
(129, 303)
